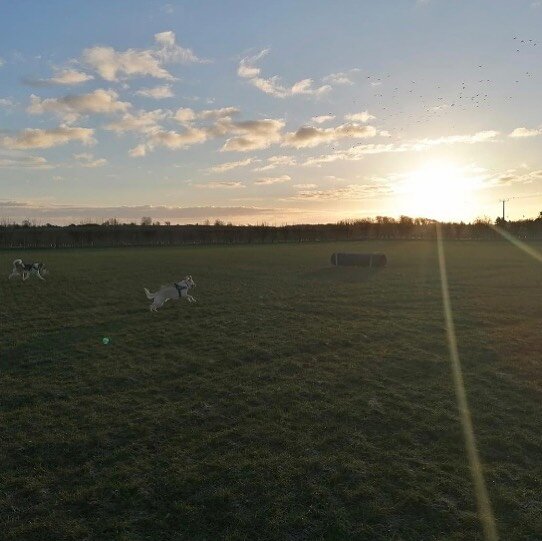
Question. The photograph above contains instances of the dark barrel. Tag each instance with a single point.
(359, 260)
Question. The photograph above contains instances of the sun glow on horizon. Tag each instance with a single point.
(439, 190)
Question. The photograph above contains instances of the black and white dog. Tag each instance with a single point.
(177, 290)
(24, 270)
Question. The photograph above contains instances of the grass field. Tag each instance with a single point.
(295, 401)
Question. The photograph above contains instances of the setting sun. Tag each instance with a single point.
(440, 191)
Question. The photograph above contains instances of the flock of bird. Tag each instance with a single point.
(481, 91)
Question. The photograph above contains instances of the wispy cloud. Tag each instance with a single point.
(358, 151)
(157, 92)
(341, 77)
(266, 181)
(140, 121)
(364, 116)
(309, 136)
(47, 138)
(68, 77)
(88, 160)
(276, 161)
(186, 115)
(251, 134)
(512, 176)
(70, 108)
(305, 186)
(112, 65)
(271, 85)
(322, 118)
(6, 103)
(18, 161)
(228, 166)
(229, 184)
(525, 132)
(350, 192)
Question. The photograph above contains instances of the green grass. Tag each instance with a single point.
(295, 401)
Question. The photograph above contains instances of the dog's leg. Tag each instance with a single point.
(40, 276)
(25, 276)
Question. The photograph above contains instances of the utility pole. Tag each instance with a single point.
(504, 201)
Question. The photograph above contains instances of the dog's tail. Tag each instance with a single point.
(17, 262)
(150, 295)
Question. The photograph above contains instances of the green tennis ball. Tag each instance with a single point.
(105, 341)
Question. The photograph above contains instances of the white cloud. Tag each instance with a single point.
(47, 138)
(357, 152)
(322, 118)
(340, 78)
(251, 134)
(271, 85)
(512, 176)
(171, 53)
(364, 116)
(18, 161)
(265, 181)
(305, 186)
(478, 137)
(186, 115)
(350, 192)
(228, 166)
(175, 140)
(276, 161)
(525, 132)
(230, 184)
(86, 159)
(215, 114)
(308, 136)
(244, 135)
(138, 151)
(69, 77)
(2, 61)
(141, 122)
(70, 108)
(157, 92)
(6, 102)
(111, 64)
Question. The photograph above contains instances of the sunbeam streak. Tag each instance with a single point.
(518, 243)
(482, 499)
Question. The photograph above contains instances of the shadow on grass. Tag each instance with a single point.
(352, 275)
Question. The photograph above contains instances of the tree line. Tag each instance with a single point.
(149, 233)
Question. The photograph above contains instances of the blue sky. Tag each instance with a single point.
(279, 111)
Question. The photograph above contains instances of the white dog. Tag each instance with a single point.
(24, 270)
(174, 291)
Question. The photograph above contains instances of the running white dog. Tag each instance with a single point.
(174, 291)
(24, 270)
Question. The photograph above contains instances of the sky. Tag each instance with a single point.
(276, 112)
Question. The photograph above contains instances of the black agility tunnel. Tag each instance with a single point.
(359, 260)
